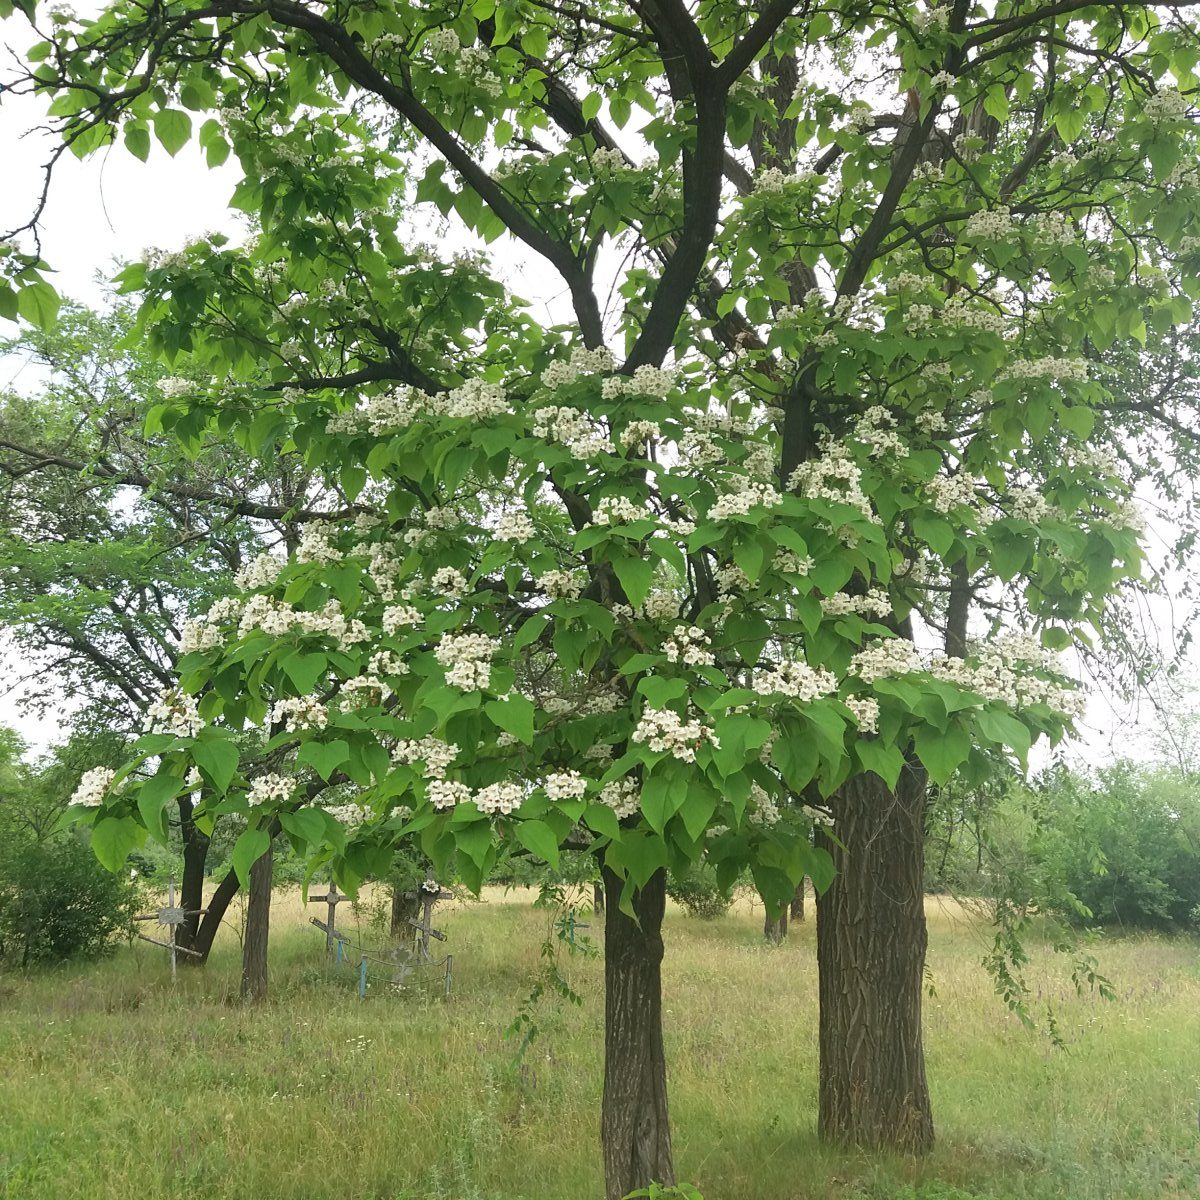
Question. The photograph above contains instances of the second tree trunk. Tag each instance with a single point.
(635, 1130)
(871, 942)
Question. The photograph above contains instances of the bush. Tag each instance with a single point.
(699, 894)
(58, 903)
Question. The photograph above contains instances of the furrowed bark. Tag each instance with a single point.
(634, 1125)
(871, 941)
(258, 927)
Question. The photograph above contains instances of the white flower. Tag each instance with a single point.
(866, 712)
(265, 788)
(514, 527)
(467, 658)
(93, 787)
(561, 585)
(174, 713)
(689, 646)
(299, 712)
(446, 793)
(399, 616)
(499, 798)
(451, 582)
(623, 796)
(750, 495)
(795, 679)
(565, 785)
(661, 729)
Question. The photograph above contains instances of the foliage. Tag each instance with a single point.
(58, 903)
(701, 894)
(1120, 848)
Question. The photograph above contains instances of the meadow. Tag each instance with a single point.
(115, 1085)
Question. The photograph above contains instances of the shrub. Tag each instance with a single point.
(57, 902)
(699, 894)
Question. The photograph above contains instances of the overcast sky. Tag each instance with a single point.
(112, 208)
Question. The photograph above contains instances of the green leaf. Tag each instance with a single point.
(113, 838)
(217, 757)
(304, 669)
(38, 304)
(247, 850)
(305, 824)
(942, 753)
(886, 760)
(1005, 730)
(538, 838)
(324, 757)
(152, 799)
(636, 576)
(173, 127)
(514, 715)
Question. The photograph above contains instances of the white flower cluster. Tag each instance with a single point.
(572, 428)
(474, 401)
(750, 495)
(259, 572)
(475, 63)
(1028, 504)
(889, 656)
(315, 546)
(662, 729)
(623, 796)
(498, 799)
(450, 582)
(994, 224)
(770, 179)
(561, 585)
(645, 381)
(731, 580)
(174, 713)
(391, 411)
(172, 387)
(874, 604)
(399, 616)
(866, 712)
(386, 662)
(367, 689)
(299, 712)
(435, 754)
(948, 493)
(514, 527)
(446, 793)
(1047, 368)
(93, 787)
(965, 314)
(582, 361)
(860, 118)
(931, 421)
(265, 788)
(796, 680)
(788, 562)
(444, 41)
(349, 815)
(565, 785)
(834, 476)
(614, 510)
(763, 809)
(659, 605)
(876, 428)
(1165, 105)
(689, 646)
(276, 618)
(606, 162)
(637, 433)
(467, 658)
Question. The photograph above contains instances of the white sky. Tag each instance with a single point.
(112, 207)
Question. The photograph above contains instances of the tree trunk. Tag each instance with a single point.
(796, 908)
(191, 891)
(405, 908)
(598, 898)
(214, 914)
(634, 1125)
(871, 958)
(775, 931)
(258, 925)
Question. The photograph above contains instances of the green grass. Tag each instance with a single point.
(114, 1086)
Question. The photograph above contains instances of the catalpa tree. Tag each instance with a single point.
(792, 509)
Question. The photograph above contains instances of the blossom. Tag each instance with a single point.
(623, 796)
(299, 712)
(565, 785)
(663, 729)
(435, 755)
(93, 787)
(750, 494)
(795, 679)
(467, 658)
(446, 793)
(174, 713)
(865, 710)
(265, 788)
(514, 527)
(499, 798)
(689, 645)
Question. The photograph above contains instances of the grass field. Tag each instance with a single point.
(114, 1086)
